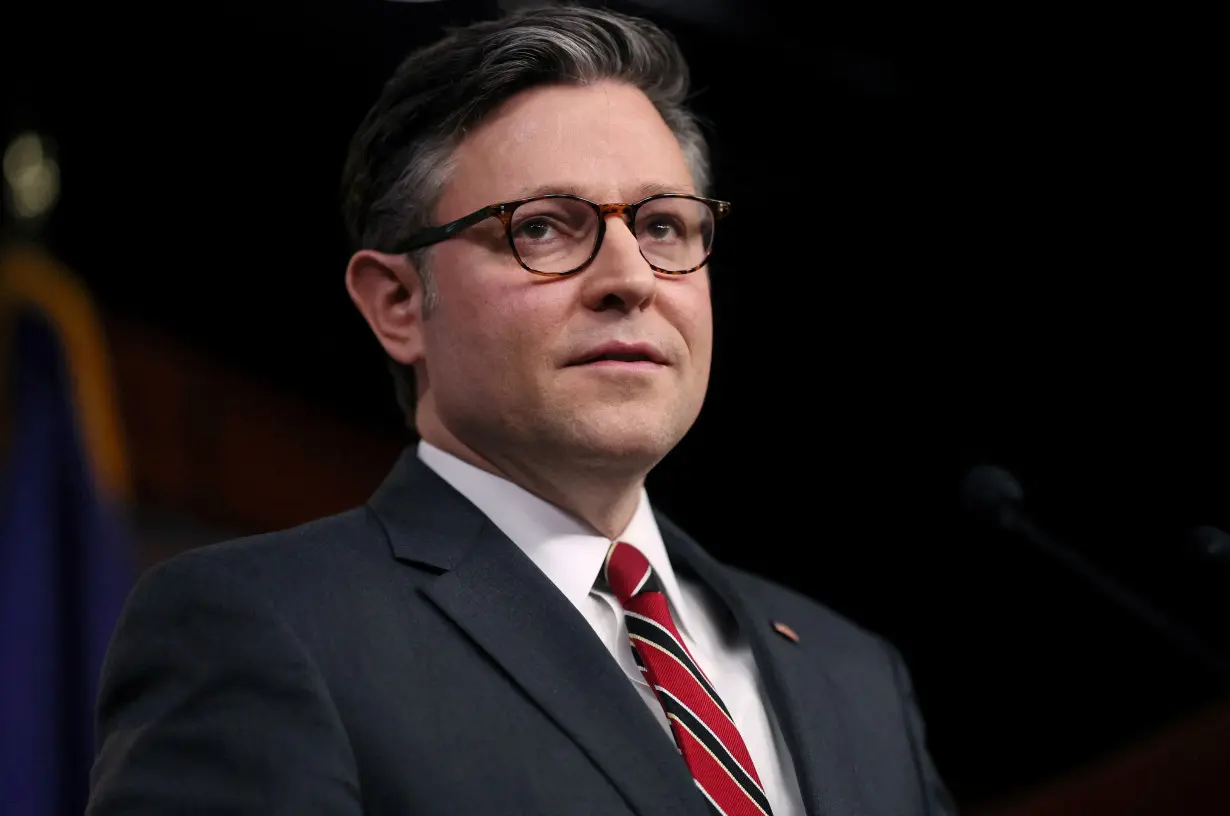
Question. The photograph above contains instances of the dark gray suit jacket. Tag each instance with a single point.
(407, 658)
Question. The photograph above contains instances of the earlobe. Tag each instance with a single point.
(388, 293)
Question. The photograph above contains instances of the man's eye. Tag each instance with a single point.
(662, 229)
(539, 230)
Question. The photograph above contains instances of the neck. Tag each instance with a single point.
(598, 493)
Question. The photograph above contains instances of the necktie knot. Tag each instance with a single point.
(628, 573)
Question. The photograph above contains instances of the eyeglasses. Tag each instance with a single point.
(561, 234)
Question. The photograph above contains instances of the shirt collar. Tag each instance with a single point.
(568, 551)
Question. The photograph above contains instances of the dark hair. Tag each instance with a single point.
(400, 157)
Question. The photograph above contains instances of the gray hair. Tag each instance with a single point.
(400, 158)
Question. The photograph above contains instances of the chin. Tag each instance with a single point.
(620, 434)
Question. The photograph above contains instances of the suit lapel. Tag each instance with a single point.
(511, 610)
(808, 704)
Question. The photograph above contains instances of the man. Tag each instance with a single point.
(507, 627)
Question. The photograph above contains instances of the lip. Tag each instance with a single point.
(653, 357)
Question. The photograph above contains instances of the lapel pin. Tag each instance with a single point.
(785, 631)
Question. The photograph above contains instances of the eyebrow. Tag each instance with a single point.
(644, 191)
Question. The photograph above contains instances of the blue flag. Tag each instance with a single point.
(66, 566)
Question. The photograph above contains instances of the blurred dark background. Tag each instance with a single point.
(959, 237)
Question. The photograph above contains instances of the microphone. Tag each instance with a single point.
(1213, 544)
(995, 496)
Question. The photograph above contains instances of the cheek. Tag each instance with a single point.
(499, 328)
(694, 318)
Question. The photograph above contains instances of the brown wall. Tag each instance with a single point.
(226, 449)
(1183, 771)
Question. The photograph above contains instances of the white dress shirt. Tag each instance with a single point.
(570, 554)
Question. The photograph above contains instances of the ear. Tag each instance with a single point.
(389, 294)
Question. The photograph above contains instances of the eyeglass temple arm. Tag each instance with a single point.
(434, 235)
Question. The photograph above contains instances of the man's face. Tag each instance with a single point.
(501, 348)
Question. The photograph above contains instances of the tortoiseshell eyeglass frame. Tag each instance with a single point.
(504, 211)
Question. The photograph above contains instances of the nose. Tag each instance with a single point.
(619, 278)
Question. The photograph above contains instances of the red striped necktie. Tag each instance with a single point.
(700, 722)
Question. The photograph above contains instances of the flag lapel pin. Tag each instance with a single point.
(785, 631)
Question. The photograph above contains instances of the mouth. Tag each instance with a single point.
(614, 355)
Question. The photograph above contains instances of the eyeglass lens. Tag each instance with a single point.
(557, 235)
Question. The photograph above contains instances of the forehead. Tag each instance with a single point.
(604, 141)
